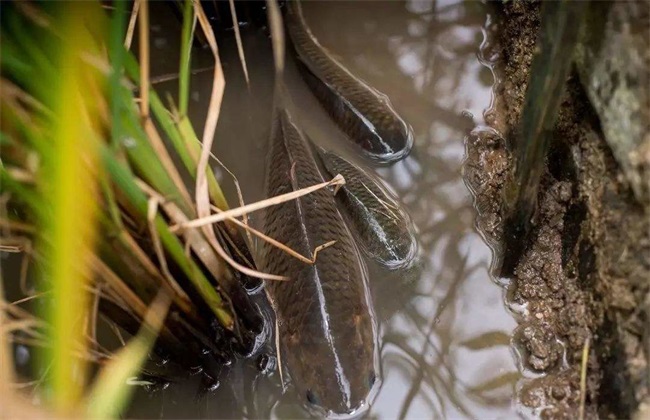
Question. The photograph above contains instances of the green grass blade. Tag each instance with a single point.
(144, 159)
(118, 26)
(193, 144)
(186, 48)
(124, 181)
(182, 136)
(67, 181)
(110, 392)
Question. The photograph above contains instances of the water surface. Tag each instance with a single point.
(444, 329)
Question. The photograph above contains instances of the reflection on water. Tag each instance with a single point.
(443, 325)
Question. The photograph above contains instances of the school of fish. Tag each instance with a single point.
(325, 324)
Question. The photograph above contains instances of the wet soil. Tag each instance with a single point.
(583, 277)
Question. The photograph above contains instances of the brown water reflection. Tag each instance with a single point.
(443, 325)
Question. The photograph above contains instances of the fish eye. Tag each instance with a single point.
(372, 378)
(312, 398)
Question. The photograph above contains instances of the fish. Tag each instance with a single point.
(384, 231)
(364, 114)
(324, 318)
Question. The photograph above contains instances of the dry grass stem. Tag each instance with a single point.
(226, 237)
(240, 195)
(122, 291)
(150, 129)
(34, 14)
(133, 302)
(141, 256)
(176, 288)
(16, 226)
(16, 312)
(246, 270)
(338, 181)
(19, 325)
(20, 175)
(583, 379)
(16, 244)
(157, 312)
(174, 76)
(116, 331)
(240, 45)
(218, 86)
(24, 269)
(8, 224)
(31, 297)
(131, 28)
(13, 249)
(195, 241)
(202, 196)
(279, 244)
(94, 314)
(278, 352)
(104, 67)
(277, 36)
(161, 151)
(320, 248)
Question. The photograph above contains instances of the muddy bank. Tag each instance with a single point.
(584, 275)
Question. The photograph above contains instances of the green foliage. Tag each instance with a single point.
(79, 163)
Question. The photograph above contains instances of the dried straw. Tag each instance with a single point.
(131, 28)
(583, 379)
(337, 181)
(277, 36)
(240, 46)
(290, 251)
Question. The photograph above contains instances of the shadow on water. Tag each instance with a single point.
(444, 330)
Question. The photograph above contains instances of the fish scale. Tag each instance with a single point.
(325, 323)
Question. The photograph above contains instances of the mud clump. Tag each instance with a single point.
(583, 277)
(554, 397)
(539, 348)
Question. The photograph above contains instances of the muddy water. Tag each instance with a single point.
(444, 329)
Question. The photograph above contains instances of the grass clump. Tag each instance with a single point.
(87, 178)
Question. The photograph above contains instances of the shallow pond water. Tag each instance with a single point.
(444, 329)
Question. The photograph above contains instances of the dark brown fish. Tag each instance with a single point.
(364, 114)
(383, 229)
(325, 321)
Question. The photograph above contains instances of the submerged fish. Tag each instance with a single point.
(364, 114)
(324, 318)
(384, 230)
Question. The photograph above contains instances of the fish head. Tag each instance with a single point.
(335, 376)
(394, 137)
(387, 142)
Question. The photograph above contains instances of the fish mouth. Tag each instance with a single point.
(354, 413)
(406, 261)
(360, 409)
(388, 158)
